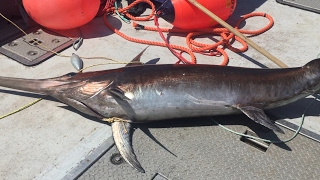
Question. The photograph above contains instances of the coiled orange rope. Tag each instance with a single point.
(112, 10)
(193, 46)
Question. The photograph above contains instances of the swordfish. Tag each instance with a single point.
(145, 93)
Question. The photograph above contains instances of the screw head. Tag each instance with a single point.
(116, 159)
(32, 53)
(55, 41)
(13, 44)
(37, 32)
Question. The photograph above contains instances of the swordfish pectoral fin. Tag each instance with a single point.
(122, 100)
(122, 135)
(118, 93)
(259, 116)
(122, 131)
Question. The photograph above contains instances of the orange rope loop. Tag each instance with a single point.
(216, 49)
(124, 11)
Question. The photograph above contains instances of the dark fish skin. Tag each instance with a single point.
(157, 92)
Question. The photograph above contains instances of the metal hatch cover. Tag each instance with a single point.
(201, 150)
(310, 5)
(33, 48)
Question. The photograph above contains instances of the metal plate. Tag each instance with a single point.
(199, 149)
(310, 5)
(35, 47)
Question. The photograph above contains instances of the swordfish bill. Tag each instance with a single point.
(145, 93)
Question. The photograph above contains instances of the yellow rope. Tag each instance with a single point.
(58, 54)
(115, 119)
(22, 108)
(106, 64)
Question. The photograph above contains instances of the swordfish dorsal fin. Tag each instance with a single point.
(122, 135)
(259, 116)
(136, 61)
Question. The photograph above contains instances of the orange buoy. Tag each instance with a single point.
(183, 14)
(61, 14)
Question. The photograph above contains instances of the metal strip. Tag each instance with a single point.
(92, 158)
(303, 131)
(309, 5)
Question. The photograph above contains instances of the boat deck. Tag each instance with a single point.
(50, 140)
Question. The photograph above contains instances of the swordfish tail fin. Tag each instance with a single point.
(30, 85)
(122, 135)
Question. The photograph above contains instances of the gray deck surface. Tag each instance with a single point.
(51, 140)
(201, 150)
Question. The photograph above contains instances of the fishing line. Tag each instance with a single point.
(22, 108)
(56, 53)
(267, 140)
(119, 62)
(105, 64)
(38, 100)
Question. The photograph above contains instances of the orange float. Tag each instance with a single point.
(61, 14)
(183, 14)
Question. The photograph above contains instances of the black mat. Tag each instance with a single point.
(309, 5)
